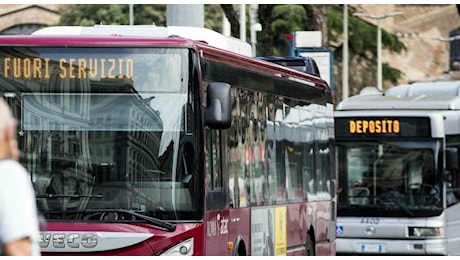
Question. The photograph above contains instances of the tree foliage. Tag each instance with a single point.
(287, 19)
(111, 14)
(213, 16)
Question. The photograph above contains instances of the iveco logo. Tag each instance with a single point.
(89, 241)
(370, 230)
(63, 240)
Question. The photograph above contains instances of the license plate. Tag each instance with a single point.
(372, 248)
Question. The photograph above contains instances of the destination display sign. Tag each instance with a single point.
(377, 126)
(61, 69)
(67, 67)
(384, 126)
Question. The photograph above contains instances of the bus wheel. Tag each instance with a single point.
(309, 246)
(240, 250)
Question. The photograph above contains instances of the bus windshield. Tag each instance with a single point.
(100, 130)
(381, 178)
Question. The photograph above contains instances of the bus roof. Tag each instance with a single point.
(434, 88)
(193, 33)
(415, 96)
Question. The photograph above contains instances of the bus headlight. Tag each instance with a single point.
(183, 248)
(425, 231)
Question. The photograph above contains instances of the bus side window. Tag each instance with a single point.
(280, 148)
(238, 191)
(213, 160)
(454, 186)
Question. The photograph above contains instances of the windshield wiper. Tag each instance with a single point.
(154, 221)
(157, 222)
(51, 196)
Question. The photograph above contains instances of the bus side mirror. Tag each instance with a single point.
(218, 112)
(451, 159)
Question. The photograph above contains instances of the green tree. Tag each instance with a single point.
(213, 16)
(118, 14)
(111, 14)
(287, 19)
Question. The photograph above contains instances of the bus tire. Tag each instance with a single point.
(240, 249)
(309, 246)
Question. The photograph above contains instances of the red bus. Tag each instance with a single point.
(144, 140)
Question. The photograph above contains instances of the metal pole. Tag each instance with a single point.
(185, 15)
(243, 22)
(225, 25)
(345, 54)
(379, 55)
(131, 14)
(379, 41)
(252, 28)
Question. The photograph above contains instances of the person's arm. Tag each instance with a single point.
(21, 247)
(19, 222)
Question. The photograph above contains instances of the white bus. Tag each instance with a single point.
(397, 157)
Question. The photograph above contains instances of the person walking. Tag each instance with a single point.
(19, 223)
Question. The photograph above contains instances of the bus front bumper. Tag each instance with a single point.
(351, 246)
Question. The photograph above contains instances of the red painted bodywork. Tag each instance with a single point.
(153, 246)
